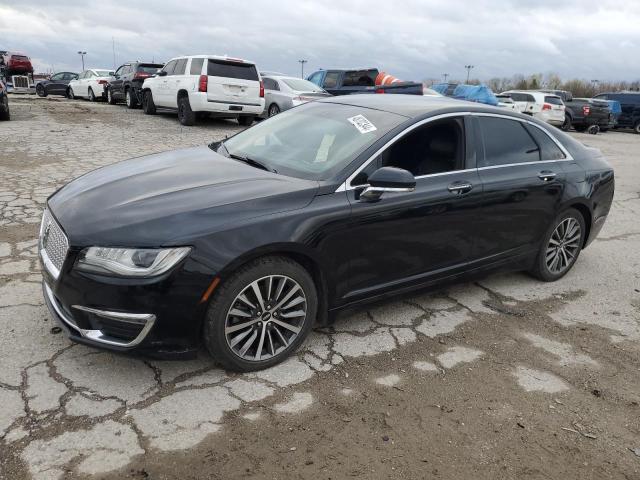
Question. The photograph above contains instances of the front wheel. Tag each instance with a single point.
(148, 106)
(261, 314)
(70, 94)
(110, 98)
(245, 121)
(566, 125)
(561, 246)
(92, 97)
(40, 90)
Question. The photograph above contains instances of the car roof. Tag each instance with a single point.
(413, 106)
(214, 57)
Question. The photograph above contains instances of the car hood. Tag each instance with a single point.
(171, 198)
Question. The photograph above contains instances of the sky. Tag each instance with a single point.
(411, 39)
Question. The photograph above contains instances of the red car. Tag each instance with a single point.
(16, 63)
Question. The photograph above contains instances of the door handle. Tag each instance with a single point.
(547, 176)
(460, 187)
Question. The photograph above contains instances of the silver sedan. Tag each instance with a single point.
(282, 93)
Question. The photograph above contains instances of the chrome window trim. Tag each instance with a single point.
(345, 186)
(97, 335)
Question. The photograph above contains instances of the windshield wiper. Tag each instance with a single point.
(252, 162)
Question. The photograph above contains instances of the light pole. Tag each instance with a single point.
(445, 75)
(82, 54)
(468, 67)
(302, 62)
(595, 85)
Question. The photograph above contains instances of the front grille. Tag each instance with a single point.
(53, 242)
(20, 81)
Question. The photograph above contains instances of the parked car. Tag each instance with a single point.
(15, 63)
(206, 84)
(283, 92)
(243, 245)
(57, 84)
(347, 82)
(90, 84)
(581, 113)
(544, 106)
(5, 113)
(126, 83)
(630, 102)
(505, 101)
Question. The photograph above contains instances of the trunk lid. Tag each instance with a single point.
(232, 81)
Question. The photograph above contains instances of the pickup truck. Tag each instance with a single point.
(584, 112)
(348, 82)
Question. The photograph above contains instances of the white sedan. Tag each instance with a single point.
(89, 84)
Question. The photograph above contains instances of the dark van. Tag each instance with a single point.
(630, 102)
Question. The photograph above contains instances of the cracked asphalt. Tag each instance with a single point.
(502, 378)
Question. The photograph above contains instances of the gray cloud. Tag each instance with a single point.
(413, 39)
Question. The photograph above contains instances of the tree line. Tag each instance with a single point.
(552, 81)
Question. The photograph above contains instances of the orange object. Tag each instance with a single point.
(210, 290)
(384, 78)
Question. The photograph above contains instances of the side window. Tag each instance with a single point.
(358, 78)
(169, 67)
(196, 66)
(120, 70)
(180, 67)
(57, 77)
(436, 147)
(270, 84)
(505, 142)
(602, 96)
(71, 76)
(331, 79)
(316, 78)
(549, 150)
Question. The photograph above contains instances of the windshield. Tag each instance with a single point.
(301, 85)
(314, 141)
(103, 73)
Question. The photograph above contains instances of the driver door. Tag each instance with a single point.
(408, 238)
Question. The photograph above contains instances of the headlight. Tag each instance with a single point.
(130, 262)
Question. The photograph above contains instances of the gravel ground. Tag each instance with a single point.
(502, 378)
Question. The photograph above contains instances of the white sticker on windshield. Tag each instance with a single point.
(362, 124)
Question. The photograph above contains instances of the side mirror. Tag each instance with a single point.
(162, 73)
(388, 179)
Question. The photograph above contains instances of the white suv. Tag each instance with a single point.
(207, 84)
(544, 106)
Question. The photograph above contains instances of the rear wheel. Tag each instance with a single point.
(566, 126)
(70, 94)
(110, 98)
(4, 111)
(130, 99)
(261, 314)
(92, 97)
(41, 91)
(186, 116)
(148, 106)
(561, 246)
(245, 121)
(274, 109)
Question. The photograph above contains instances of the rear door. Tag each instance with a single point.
(117, 81)
(523, 182)
(233, 82)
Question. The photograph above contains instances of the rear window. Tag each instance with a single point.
(522, 97)
(103, 73)
(149, 68)
(553, 100)
(359, 78)
(20, 58)
(227, 69)
(300, 85)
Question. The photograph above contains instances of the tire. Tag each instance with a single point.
(110, 98)
(41, 91)
(130, 99)
(186, 116)
(245, 121)
(148, 106)
(274, 109)
(560, 247)
(566, 126)
(70, 94)
(278, 342)
(636, 128)
(92, 96)
(5, 113)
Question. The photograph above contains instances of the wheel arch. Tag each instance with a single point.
(585, 211)
(305, 258)
(182, 93)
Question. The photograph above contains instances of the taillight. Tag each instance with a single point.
(380, 90)
(261, 89)
(586, 110)
(546, 106)
(141, 75)
(202, 83)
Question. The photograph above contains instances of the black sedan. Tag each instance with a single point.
(245, 244)
(56, 85)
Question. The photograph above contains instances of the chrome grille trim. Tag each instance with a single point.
(53, 244)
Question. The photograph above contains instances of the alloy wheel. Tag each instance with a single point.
(274, 110)
(563, 246)
(265, 318)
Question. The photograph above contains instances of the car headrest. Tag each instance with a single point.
(443, 146)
